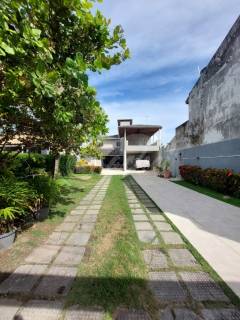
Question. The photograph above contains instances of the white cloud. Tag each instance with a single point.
(161, 34)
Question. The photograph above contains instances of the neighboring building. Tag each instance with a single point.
(133, 142)
(211, 136)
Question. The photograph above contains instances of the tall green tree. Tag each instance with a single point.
(47, 48)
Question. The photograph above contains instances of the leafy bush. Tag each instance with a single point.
(221, 180)
(30, 163)
(46, 188)
(16, 199)
(88, 169)
(66, 164)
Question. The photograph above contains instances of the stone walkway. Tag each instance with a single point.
(210, 225)
(38, 287)
(180, 286)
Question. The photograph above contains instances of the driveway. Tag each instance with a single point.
(211, 226)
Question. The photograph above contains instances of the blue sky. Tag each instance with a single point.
(169, 41)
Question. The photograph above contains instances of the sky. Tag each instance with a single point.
(170, 41)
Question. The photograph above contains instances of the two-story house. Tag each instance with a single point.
(132, 143)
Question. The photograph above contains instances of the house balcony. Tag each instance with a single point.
(148, 148)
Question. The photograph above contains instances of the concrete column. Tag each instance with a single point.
(125, 151)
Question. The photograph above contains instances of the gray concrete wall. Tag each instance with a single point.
(224, 154)
(214, 102)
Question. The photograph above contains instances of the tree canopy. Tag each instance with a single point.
(47, 48)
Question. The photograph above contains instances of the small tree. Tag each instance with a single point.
(47, 47)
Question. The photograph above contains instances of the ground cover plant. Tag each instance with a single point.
(211, 193)
(221, 180)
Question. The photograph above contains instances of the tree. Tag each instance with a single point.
(47, 48)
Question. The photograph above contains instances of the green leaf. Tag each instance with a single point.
(7, 48)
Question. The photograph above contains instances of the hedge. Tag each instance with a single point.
(220, 180)
(88, 169)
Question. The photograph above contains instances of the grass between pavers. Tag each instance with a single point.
(203, 263)
(209, 192)
(75, 187)
(113, 273)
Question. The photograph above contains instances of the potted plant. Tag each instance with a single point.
(166, 170)
(15, 204)
(7, 230)
(48, 192)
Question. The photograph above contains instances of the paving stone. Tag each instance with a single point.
(133, 201)
(186, 314)
(157, 217)
(57, 282)
(166, 286)
(155, 259)
(22, 279)
(202, 287)
(182, 257)
(143, 226)
(70, 256)
(73, 218)
(66, 226)
(89, 218)
(81, 207)
(9, 308)
(57, 238)
(78, 239)
(77, 313)
(92, 211)
(178, 314)
(95, 207)
(140, 217)
(135, 206)
(147, 236)
(42, 309)
(171, 237)
(154, 210)
(149, 205)
(163, 226)
(221, 314)
(77, 212)
(132, 315)
(137, 211)
(43, 254)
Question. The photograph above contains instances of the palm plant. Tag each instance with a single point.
(16, 200)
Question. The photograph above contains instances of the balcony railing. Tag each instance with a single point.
(143, 148)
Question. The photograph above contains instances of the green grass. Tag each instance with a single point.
(211, 193)
(113, 274)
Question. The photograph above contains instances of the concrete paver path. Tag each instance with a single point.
(211, 226)
(38, 287)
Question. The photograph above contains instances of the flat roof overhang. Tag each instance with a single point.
(136, 129)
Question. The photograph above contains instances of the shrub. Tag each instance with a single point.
(221, 180)
(30, 163)
(16, 199)
(66, 164)
(88, 169)
(46, 188)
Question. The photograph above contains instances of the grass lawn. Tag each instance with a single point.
(113, 273)
(210, 193)
(75, 187)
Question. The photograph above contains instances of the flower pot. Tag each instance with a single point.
(42, 213)
(167, 174)
(7, 239)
